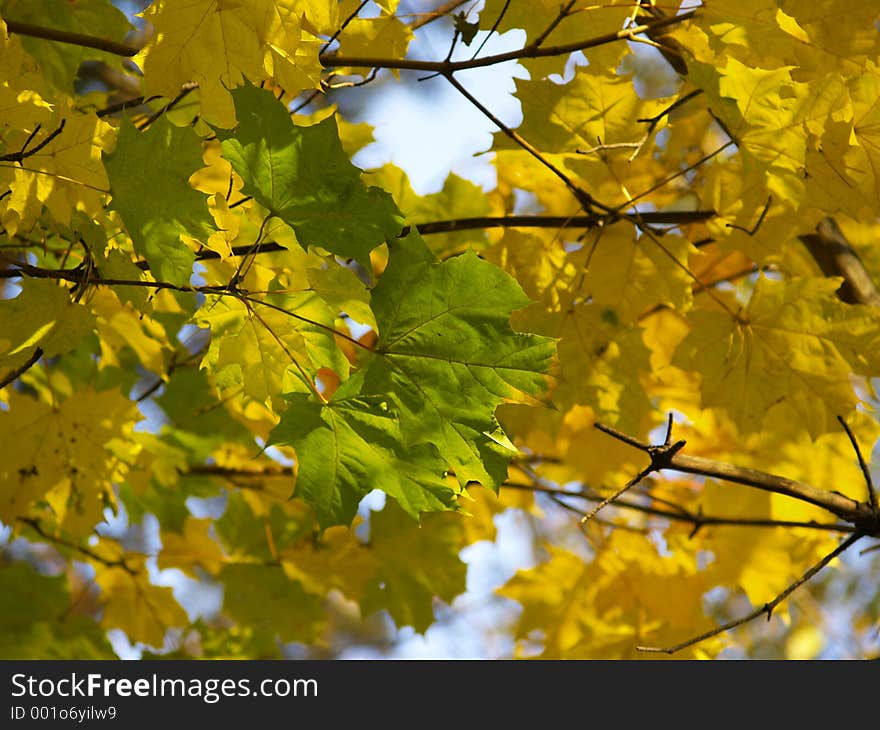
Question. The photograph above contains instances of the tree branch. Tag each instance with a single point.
(680, 514)
(35, 525)
(436, 14)
(445, 67)
(834, 255)
(671, 218)
(22, 369)
(766, 609)
(74, 39)
(24, 152)
(860, 514)
(866, 472)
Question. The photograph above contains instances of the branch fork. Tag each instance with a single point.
(863, 516)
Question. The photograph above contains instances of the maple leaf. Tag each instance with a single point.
(161, 240)
(229, 272)
(584, 20)
(65, 175)
(361, 439)
(406, 587)
(303, 176)
(60, 326)
(448, 353)
(280, 607)
(144, 611)
(255, 40)
(579, 604)
(192, 547)
(37, 622)
(459, 198)
(268, 356)
(62, 454)
(795, 342)
(60, 62)
(384, 35)
(596, 107)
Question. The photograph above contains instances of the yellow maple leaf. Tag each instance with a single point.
(122, 326)
(584, 20)
(22, 89)
(132, 603)
(192, 547)
(384, 37)
(43, 316)
(628, 274)
(66, 175)
(794, 342)
(338, 561)
(759, 560)
(604, 607)
(62, 454)
(254, 41)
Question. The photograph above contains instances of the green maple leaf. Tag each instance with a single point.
(264, 599)
(425, 400)
(303, 176)
(446, 350)
(415, 563)
(149, 173)
(349, 447)
(36, 621)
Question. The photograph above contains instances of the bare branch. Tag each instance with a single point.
(679, 513)
(860, 514)
(766, 609)
(74, 39)
(866, 472)
(834, 255)
(24, 152)
(22, 369)
(333, 59)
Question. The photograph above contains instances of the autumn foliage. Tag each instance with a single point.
(654, 340)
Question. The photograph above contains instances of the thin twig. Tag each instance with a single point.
(76, 275)
(680, 514)
(492, 29)
(185, 90)
(866, 472)
(766, 609)
(22, 369)
(582, 196)
(652, 122)
(560, 16)
(344, 25)
(754, 229)
(24, 152)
